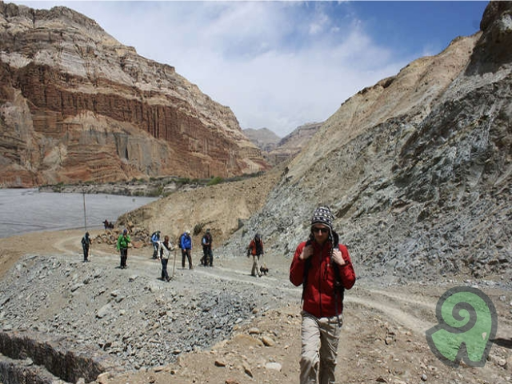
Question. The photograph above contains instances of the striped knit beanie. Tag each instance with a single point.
(322, 215)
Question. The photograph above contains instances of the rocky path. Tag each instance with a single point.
(413, 310)
(406, 309)
(210, 318)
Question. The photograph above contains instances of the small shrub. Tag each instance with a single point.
(156, 192)
(215, 180)
(198, 228)
(183, 181)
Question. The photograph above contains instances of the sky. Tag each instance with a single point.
(279, 65)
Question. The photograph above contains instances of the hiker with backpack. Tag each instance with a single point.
(164, 251)
(255, 249)
(206, 241)
(86, 243)
(324, 268)
(122, 246)
(186, 249)
(155, 241)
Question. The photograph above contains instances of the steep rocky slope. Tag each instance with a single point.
(76, 105)
(417, 168)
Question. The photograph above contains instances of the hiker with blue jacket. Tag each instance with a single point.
(324, 268)
(186, 249)
(155, 241)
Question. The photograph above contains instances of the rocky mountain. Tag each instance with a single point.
(263, 138)
(417, 168)
(275, 150)
(76, 105)
(290, 145)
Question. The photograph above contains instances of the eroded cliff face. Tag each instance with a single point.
(76, 105)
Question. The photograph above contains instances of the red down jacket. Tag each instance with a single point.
(319, 291)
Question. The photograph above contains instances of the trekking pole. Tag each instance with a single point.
(85, 215)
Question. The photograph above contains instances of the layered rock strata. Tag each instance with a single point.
(76, 105)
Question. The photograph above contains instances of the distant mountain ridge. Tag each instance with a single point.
(293, 143)
(76, 105)
(263, 138)
(277, 150)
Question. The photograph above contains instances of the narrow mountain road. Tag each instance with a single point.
(414, 312)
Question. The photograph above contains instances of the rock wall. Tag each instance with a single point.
(76, 105)
(51, 353)
(24, 372)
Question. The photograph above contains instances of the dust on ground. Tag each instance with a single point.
(383, 337)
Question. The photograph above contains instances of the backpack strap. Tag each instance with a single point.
(307, 267)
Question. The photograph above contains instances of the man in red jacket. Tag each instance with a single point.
(324, 268)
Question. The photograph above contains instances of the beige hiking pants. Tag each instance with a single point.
(255, 266)
(319, 349)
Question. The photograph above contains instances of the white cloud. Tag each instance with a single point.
(276, 64)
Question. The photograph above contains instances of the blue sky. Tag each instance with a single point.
(282, 64)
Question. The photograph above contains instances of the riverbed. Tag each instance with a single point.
(28, 210)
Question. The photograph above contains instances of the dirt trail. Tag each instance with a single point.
(390, 304)
(383, 337)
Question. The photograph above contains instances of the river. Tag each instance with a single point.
(28, 210)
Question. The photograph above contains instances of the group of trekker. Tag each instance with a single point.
(162, 250)
(321, 265)
(185, 244)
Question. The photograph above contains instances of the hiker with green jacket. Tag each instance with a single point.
(122, 245)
